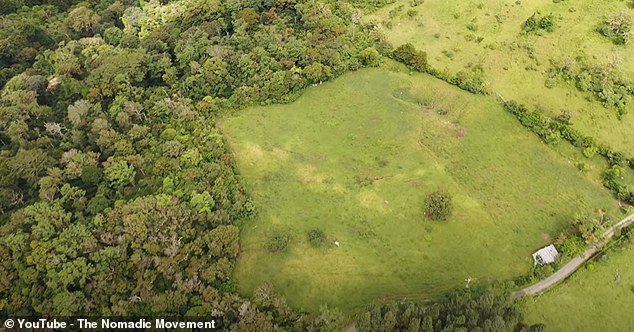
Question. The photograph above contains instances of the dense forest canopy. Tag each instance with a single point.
(118, 194)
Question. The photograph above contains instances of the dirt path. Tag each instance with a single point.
(575, 263)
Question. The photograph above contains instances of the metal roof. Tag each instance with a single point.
(545, 255)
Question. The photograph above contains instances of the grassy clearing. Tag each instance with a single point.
(516, 64)
(591, 300)
(355, 158)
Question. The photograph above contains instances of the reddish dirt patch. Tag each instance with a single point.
(540, 202)
(461, 133)
(547, 238)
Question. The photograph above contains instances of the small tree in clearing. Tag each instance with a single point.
(438, 205)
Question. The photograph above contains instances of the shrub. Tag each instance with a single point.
(317, 238)
(572, 246)
(537, 328)
(370, 57)
(278, 243)
(590, 151)
(617, 27)
(471, 80)
(535, 22)
(438, 205)
(408, 55)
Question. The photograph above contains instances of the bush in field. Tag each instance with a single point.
(618, 27)
(438, 205)
(535, 22)
(471, 80)
(317, 237)
(278, 243)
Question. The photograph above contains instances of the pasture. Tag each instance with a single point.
(355, 157)
(459, 35)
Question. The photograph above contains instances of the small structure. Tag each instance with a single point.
(545, 255)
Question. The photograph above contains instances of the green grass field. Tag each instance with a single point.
(516, 64)
(355, 158)
(590, 300)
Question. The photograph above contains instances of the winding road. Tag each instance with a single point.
(575, 263)
(562, 273)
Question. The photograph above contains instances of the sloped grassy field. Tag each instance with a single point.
(517, 64)
(355, 158)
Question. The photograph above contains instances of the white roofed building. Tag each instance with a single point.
(545, 255)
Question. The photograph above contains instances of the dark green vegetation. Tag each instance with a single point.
(538, 22)
(438, 205)
(460, 310)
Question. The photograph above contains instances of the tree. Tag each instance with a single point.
(589, 227)
(408, 55)
(438, 205)
(203, 202)
(119, 173)
(371, 57)
(82, 20)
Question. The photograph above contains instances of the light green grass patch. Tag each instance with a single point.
(505, 53)
(355, 158)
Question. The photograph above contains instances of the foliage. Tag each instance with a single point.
(618, 27)
(438, 205)
(537, 22)
(413, 58)
(462, 309)
(278, 243)
(571, 245)
(317, 237)
(471, 80)
(590, 227)
(605, 81)
(551, 131)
